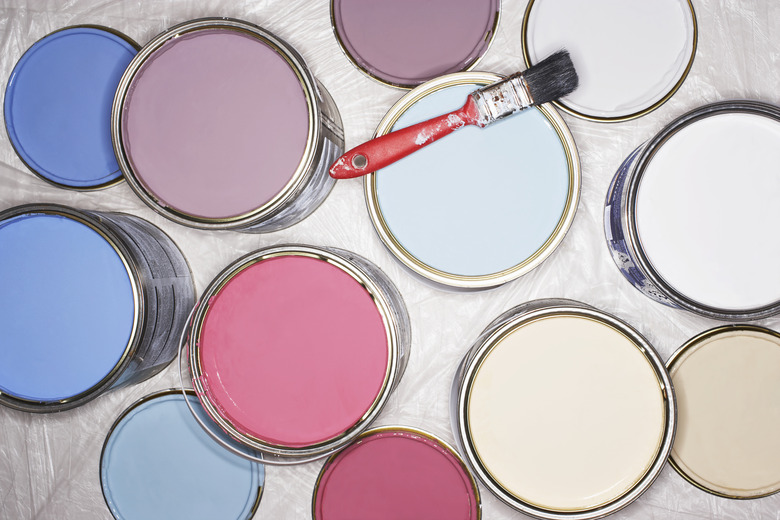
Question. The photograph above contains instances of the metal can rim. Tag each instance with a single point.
(487, 280)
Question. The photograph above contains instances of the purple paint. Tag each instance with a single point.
(407, 42)
(215, 123)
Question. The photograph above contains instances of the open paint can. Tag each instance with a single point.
(293, 350)
(58, 105)
(631, 56)
(219, 124)
(691, 214)
(485, 205)
(397, 43)
(563, 411)
(396, 472)
(158, 463)
(727, 382)
(90, 301)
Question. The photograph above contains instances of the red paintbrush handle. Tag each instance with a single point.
(386, 149)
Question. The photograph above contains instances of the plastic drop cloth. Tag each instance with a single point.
(49, 463)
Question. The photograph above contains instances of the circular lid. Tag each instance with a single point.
(58, 105)
(484, 205)
(397, 43)
(157, 462)
(630, 55)
(292, 351)
(391, 473)
(537, 378)
(215, 121)
(706, 208)
(67, 309)
(727, 383)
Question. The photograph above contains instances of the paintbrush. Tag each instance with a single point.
(550, 79)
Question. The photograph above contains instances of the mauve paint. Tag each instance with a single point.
(407, 42)
(215, 123)
(293, 351)
(395, 473)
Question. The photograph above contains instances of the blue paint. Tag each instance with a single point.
(479, 201)
(159, 463)
(58, 105)
(66, 307)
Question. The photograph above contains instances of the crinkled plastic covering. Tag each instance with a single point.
(49, 463)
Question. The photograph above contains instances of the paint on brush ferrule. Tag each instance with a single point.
(474, 444)
(501, 100)
(387, 304)
(628, 245)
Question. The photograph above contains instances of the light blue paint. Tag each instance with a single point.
(479, 201)
(66, 307)
(159, 463)
(58, 105)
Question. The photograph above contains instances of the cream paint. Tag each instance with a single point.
(706, 211)
(728, 397)
(566, 413)
(628, 53)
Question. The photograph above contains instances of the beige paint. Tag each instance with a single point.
(566, 413)
(728, 397)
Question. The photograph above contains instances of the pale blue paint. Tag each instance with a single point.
(479, 201)
(66, 307)
(159, 463)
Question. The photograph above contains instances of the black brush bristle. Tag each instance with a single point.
(551, 78)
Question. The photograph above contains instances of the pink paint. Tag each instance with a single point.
(407, 42)
(293, 351)
(393, 474)
(215, 123)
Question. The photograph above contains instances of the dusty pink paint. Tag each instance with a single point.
(215, 123)
(395, 474)
(293, 351)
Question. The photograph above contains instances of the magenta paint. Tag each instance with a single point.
(218, 123)
(296, 347)
(407, 42)
(393, 473)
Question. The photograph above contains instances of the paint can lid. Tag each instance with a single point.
(58, 105)
(630, 55)
(405, 43)
(157, 462)
(68, 308)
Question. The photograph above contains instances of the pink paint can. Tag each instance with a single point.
(294, 350)
(219, 124)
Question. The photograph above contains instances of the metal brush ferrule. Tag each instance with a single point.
(502, 99)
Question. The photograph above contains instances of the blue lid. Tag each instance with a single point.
(67, 307)
(158, 462)
(58, 105)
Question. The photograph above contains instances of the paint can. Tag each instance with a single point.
(485, 205)
(563, 411)
(727, 382)
(158, 463)
(631, 56)
(690, 214)
(396, 472)
(58, 105)
(91, 301)
(395, 43)
(219, 124)
(294, 350)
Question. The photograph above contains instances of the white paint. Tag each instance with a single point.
(566, 413)
(628, 53)
(708, 208)
(728, 397)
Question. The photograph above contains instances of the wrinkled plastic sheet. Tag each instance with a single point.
(49, 463)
